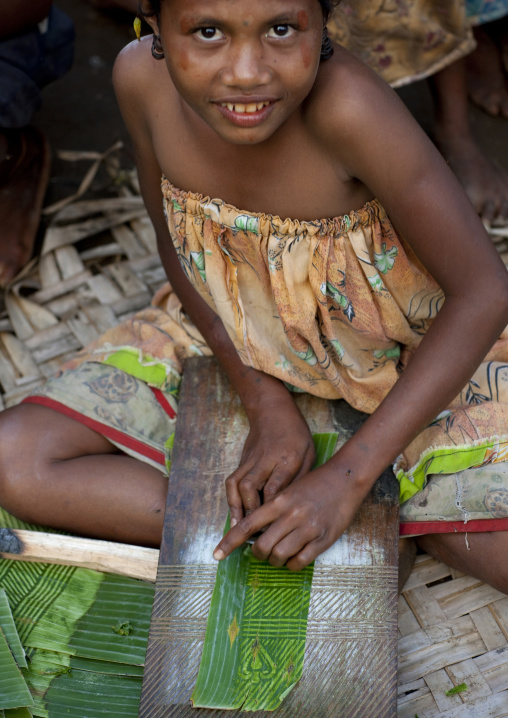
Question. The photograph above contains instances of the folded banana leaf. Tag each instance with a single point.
(14, 691)
(8, 627)
(61, 690)
(85, 633)
(255, 635)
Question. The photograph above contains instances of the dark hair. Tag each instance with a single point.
(326, 6)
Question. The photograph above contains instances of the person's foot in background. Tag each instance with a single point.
(485, 182)
(487, 73)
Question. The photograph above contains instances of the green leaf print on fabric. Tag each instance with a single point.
(247, 223)
(308, 356)
(176, 206)
(339, 349)
(199, 260)
(390, 353)
(376, 282)
(385, 260)
(341, 300)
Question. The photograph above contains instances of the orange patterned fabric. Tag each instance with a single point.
(332, 307)
(403, 40)
(335, 308)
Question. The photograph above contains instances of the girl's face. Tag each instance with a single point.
(244, 66)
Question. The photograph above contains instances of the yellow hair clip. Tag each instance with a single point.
(137, 28)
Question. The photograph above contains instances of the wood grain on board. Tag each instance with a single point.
(351, 652)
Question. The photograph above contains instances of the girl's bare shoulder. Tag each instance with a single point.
(349, 103)
(141, 83)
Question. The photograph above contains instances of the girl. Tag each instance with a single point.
(243, 101)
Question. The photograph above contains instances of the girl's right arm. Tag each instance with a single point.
(279, 446)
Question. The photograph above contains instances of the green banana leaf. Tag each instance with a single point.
(114, 626)
(14, 691)
(17, 713)
(8, 627)
(85, 633)
(255, 635)
(61, 690)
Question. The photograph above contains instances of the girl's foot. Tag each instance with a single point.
(486, 74)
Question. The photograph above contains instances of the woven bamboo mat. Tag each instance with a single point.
(453, 630)
(98, 265)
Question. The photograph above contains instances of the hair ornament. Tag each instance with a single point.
(137, 27)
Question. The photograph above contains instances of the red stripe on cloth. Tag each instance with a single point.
(164, 402)
(108, 431)
(420, 528)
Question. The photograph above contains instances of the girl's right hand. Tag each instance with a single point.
(278, 449)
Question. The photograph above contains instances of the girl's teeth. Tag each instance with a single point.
(245, 109)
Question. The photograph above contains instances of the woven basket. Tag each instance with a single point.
(98, 265)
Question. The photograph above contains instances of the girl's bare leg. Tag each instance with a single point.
(481, 555)
(57, 472)
(484, 181)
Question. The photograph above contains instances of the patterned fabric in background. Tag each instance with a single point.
(408, 40)
(481, 11)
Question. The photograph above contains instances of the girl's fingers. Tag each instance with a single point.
(239, 534)
(284, 474)
(250, 486)
(234, 499)
(307, 555)
(278, 552)
(242, 491)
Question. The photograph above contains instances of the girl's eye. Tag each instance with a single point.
(280, 31)
(209, 33)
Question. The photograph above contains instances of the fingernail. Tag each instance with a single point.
(233, 522)
(218, 554)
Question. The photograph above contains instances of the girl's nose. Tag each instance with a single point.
(246, 66)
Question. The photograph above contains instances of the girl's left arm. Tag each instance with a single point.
(379, 143)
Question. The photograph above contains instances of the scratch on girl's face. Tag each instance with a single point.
(306, 54)
(186, 24)
(303, 19)
(183, 60)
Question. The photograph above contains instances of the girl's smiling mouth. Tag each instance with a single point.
(246, 114)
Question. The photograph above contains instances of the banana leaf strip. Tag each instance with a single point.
(110, 600)
(255, 635)
(66, 618)
(8, 627)
(66, 691)
(14, 691)
(17, 713)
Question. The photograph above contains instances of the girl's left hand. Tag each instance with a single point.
(278, 450)
(303, 520)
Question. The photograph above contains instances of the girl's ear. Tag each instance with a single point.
(148, 15)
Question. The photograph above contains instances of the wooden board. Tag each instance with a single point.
(351, 654)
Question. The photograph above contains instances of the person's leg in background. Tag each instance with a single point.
(36, 47)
